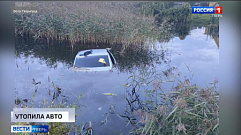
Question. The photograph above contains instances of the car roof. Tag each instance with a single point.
(94, 52)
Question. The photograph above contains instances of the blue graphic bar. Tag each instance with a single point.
(203, 10)
(40, 128)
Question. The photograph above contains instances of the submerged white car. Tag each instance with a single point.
(94, 60)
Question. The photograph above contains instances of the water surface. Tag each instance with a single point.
(53, 65)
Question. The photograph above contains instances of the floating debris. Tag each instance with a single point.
(168, 81)
(126, 85)
(144, 84)
(109, 94)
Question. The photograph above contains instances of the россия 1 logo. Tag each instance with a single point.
(207, 10)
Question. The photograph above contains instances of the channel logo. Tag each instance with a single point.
(29, 128)
(207, 10)
(21, 128)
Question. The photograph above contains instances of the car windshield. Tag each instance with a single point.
(92, 61)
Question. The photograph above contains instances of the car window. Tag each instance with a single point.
(92, 61)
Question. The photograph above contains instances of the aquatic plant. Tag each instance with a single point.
(55, 128)
(184, 109)
(61, 29)
(127, 23)
(96, 22)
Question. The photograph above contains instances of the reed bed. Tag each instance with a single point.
(107, 22)
(95, 22)
(183, 110)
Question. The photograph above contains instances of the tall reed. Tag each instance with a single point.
(184, 109)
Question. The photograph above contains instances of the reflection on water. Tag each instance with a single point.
(53, 64)
(128, 58)
(46, 70)
(213, 32)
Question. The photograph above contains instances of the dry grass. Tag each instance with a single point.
(186, 109)
(97, 22)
